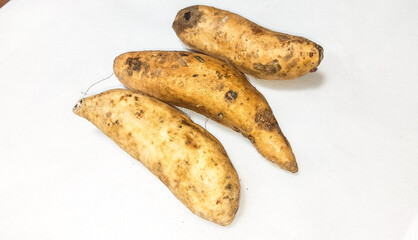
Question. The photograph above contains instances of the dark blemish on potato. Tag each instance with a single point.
(161, 119)
(108, 114)
(130, 134)
(184, 122)
(186, 18)
(251, 138)
(231, 95)
(282, 37)
(183, 54)
(270, 68)
(195, 75)
(313, 69)
(218, 74)
(129, 95)
(257, 30)
(217, 201)
(229, 187)
(134, 64)
(199, 59)
(136, 98)
(265, 120)
(191, 142)
(139, 114)
(117, 122)
(220, 115)
(310, 54)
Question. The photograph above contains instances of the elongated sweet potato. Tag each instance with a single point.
(251, 48)
(184, 156)
(212, 88)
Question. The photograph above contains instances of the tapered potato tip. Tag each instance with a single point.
(76, 108)
(291, 166)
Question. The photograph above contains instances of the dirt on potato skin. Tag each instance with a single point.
(251, 48)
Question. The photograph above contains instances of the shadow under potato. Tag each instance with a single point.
(308, 81)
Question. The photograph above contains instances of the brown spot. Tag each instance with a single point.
(195, 75)
(134, 64)
(220, 86)
(183, 54)
(217, 201)
(218, 74)
(310, 54)
(231, 95)
(139, 114)
(136, 98)
(190, 141)
(184, 122)
(186, 18)
(162, 59)
(288, 56)
(265, 120)
(108, 114)
(257, 30)
(270, 68)
(199, 59)
(283, 37)
(229, 187)
(251, 138)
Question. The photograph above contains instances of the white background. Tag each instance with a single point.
(353, 126)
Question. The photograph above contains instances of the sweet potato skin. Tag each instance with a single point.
(253, 49)
(210, 87)
(185, 157)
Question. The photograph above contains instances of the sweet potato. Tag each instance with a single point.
(184, 156)
(210, 87)
(253, 49)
